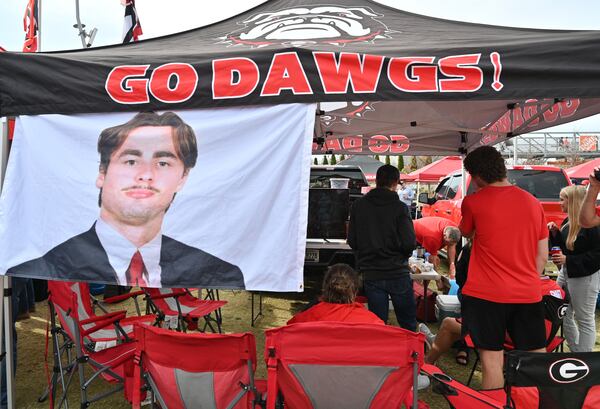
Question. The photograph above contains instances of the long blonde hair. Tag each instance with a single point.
(574, 195)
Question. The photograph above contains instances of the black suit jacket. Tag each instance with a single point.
(82, 258)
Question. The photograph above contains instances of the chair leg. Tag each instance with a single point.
(254, 317)
(474, 368)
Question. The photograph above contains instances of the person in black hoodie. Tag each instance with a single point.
(382, 236)
(580, 270)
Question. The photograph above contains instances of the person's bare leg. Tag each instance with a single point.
(449, 333)
(491, 369)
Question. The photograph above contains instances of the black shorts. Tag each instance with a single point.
(488, 323)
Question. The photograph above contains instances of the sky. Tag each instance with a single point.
(161, 17)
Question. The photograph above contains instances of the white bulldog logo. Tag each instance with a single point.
(304, 26)
(344, 112)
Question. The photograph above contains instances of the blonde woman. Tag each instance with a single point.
(579, 261)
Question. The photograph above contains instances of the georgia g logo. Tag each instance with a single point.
(562, 311)
(568, 370)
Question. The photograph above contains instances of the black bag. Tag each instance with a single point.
(423, 316)
(113, 290)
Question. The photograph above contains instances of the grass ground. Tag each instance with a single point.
(277, 309)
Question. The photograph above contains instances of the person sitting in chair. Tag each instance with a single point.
(337, 302)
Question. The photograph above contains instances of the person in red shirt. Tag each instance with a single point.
(340, 286)
(510, 249)
(435, 233)
(590, 214)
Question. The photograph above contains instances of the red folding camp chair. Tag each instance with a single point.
(342, 365)
(554, 312)
(533, 381)
(101, 341)
(195, 370)
(177, 306)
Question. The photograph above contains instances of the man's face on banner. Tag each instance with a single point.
(142, 177)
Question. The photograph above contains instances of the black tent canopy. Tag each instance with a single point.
(386, 81)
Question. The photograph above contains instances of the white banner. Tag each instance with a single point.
(145, 199)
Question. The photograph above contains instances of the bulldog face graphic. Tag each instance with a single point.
(302, 25)
(344, 112)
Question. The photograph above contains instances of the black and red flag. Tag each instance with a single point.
(30, 25)
(132, 28)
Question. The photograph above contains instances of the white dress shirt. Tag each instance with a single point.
(120, 251)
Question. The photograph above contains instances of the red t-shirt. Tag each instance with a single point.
(508, 223)
(598, 211)
(430, 232)
(324, 311)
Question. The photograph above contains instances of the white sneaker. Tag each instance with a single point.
(422, 382)
(429, 336)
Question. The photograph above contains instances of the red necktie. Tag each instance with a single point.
(135, 272)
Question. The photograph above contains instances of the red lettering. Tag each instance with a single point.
(335, 75)
(466, 76)
(568, 107)
(378, 143)
(504, 122)
(124, 89)
(399, 144)
(488, 139)
(286, 72)
(352, 142)
(333, 144)
(551, 114)
(517, 118)
(234, 77)
(185, 85)
(406, 76)
(530, 110)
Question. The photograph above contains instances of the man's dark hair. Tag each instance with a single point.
(387, 176)
(184, 137)
(487, 163)
(340, 284)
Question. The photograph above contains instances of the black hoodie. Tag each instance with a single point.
(381, 234)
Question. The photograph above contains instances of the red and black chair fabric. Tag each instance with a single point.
(194, 370)
(342, 365)
(102, 343)
(533, 381)
(180, 310)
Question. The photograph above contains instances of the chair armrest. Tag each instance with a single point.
(452, 386)
(98, 325)
(167, 295)
(122, 297)
(110, 316)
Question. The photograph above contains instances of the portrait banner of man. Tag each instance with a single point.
(198, 198)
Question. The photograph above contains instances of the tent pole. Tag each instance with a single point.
(8, 342)
(79, 26)
(463, 182)
(515, 150)
(418, 191)
(5, 301)
(39, 24)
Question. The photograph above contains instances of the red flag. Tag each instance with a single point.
(30, 25)
(131, 25)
